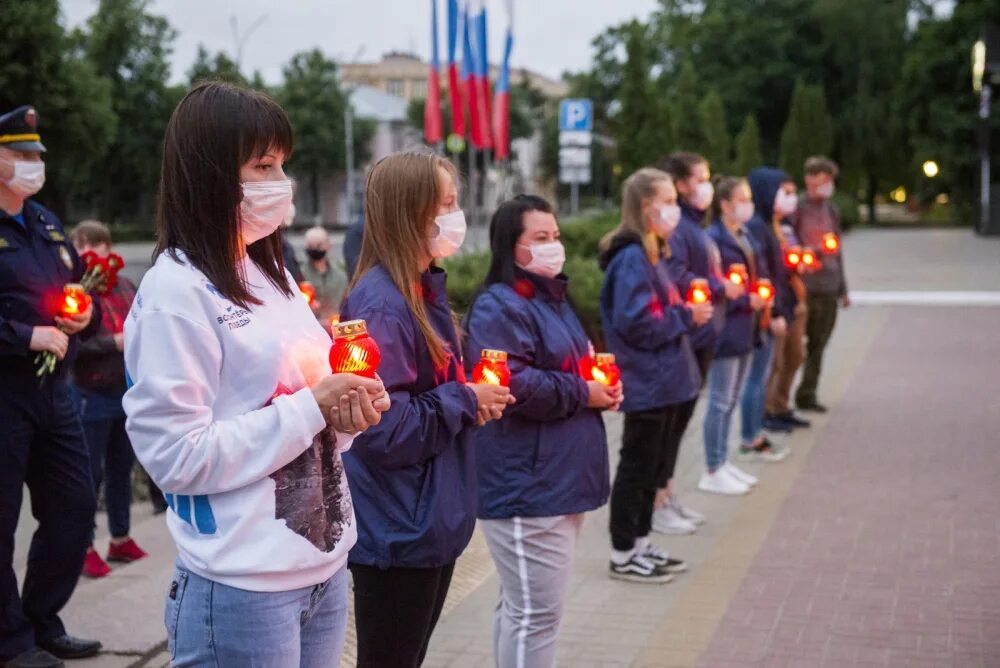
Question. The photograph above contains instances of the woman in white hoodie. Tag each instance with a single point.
(232, 407)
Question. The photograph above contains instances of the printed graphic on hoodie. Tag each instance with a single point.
(311, 494)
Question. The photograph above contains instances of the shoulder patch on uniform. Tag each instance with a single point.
(64, 256)
(4, 243)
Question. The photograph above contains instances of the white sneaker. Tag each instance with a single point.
(667, 520)
(692, 516)
(740, 475)
(721, 482)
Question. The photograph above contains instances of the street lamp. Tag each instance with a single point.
(931, 169)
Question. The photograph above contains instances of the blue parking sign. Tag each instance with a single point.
(576, 115)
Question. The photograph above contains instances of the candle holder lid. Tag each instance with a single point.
(494, 355)
(73, 287)
(604, 358)
(349, 328)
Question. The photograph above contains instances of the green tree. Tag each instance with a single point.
(861, 79)
(939, 108)
(750, 52)
(40, 66)
(715, 144)
(220, 66)
(808, 130)
(315, 105)
(130, 48)
(636, 121)
(747, 150)
(684, 105)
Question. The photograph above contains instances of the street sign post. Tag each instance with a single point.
(576, 122)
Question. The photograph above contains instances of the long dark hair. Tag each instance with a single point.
(506, 227)
(213, 132)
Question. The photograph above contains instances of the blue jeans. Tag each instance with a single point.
(752, 403)
(211, 624)
(726, 376)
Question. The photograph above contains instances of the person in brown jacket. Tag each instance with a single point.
(817, 224)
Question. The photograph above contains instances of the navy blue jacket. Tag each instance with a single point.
(548, 455)
(36, 261)
(413, 476)
(647, 326)
(739, 333)
(764, 184)
(691, 257)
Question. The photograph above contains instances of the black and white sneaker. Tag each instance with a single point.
(638, 569)
(662, 560)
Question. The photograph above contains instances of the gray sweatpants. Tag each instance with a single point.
(534, 558)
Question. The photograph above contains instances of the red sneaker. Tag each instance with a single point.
(125, 552)
(94, 566)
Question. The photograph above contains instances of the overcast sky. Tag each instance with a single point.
(550, 35)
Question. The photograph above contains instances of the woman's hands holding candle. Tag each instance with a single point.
(701, 313)
(604, 397)
(734, 290)
(491, 401)
(351, 403)
(757, 302)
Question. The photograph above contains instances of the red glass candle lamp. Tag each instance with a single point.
(75, 300)
(738, 273)
(308, 292)
(809, 259)
(353, 350)
(793, 257)
(831, 243)
(492, 369)
(605, 371)
(765, 289)
(699, 292)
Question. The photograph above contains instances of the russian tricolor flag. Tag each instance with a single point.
(433, 131)
(468, 76)
(501, 104)
(483, 73)
(456, 21)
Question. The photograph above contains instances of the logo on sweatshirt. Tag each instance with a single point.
(311, 494)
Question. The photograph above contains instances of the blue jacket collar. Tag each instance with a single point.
(434, 282)
(688, 212)
(553, 289)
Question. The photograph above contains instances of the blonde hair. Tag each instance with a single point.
(401, 198)
(638, 187)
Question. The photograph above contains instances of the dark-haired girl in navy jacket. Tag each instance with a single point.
(732, 209)
(545, 463)
(413, 479)
(647, 325)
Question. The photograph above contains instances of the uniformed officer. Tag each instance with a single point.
(41, 437)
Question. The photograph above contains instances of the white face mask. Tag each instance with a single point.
(451, 233)
(669, 217)
(703, 195)
(264, 206)
(825, 191)
(743, 212)
(785, 203)
(289, 217)
(546, 259)
(28, 179)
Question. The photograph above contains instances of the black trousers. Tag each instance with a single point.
(395, 612)
(41, 445)
(675, 434)
(641, 463)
